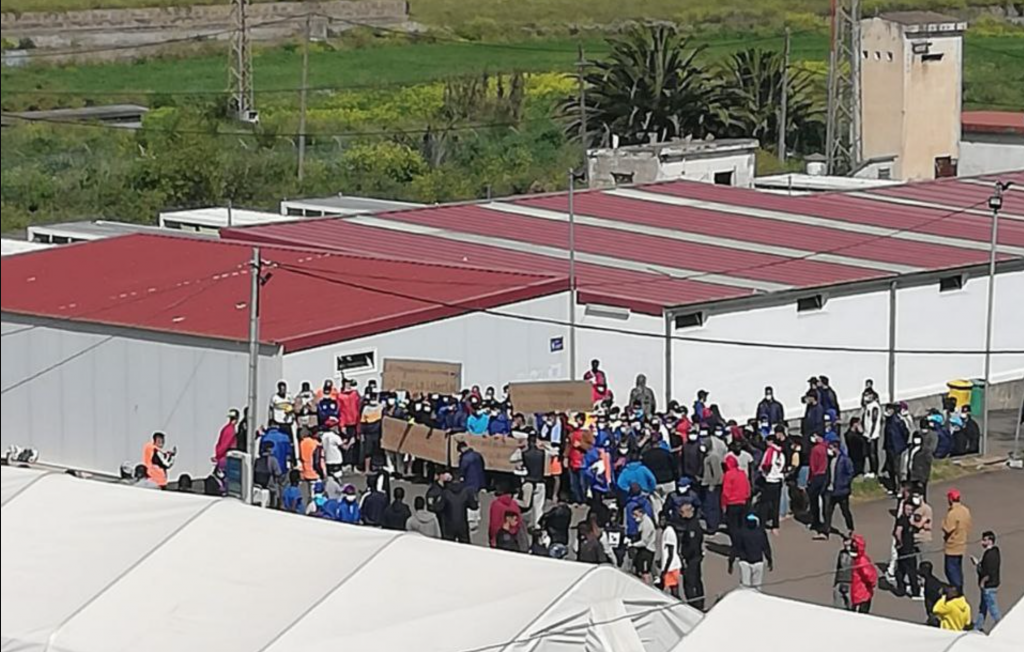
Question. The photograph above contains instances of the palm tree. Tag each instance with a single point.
(754, 82)
(649, 86)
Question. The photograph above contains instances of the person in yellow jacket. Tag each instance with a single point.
(953, 611)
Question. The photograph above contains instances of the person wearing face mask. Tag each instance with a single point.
(872, 419)
(499, 425)
(735, 498)
(693, 459)
(918, 468)
(347, 510)
(643, 396)
(773, 469)
(818, 482)
(897, 437)
(754, 551)
(715, 450)
(770, 410)
(840, 487)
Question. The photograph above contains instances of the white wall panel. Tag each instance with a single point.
(624, 356)
(98, 410)
(493, 350)
(956, 320)
(736, 376)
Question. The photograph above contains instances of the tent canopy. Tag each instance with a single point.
(744, 617)
(93, 567)
(1011, 628)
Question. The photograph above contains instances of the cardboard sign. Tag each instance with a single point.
(556, 396)
(422, 377)
(420, 442)
(436, 446)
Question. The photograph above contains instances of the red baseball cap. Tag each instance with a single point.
(954, 495)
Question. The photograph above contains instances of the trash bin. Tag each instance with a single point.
(962, 391)
(978, 398)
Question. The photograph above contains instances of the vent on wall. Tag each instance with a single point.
(812, 303)
(691, 320)
(951, 283)
(607, 312)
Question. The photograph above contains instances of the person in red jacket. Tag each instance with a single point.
(350, 413)
(865, 577)
(735, 498)
(817, 484)
(504, 504)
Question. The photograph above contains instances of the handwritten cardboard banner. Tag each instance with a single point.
(436, 446)
(422, 377)
(554, 396)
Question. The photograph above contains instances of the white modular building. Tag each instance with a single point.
(730, 290)
(106, 343)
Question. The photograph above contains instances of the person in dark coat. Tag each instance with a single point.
(690, 534)
(693, 458)
(472, 468)
(643, 396)
(457, 501)
(375, 502)
(971, 432)
(919, 464)
(770, 409)
(857, 446)
(896, 438)
(839, 488)
(829, 400)
(814, 419)
(662, 464)
(396, 516)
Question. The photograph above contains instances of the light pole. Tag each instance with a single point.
(572, 274)
(256, 280)
(996, 204)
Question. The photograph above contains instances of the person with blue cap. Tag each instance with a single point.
(754, 552)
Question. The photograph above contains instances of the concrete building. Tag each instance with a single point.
(17, 247)
(993, 142)
(722, 162)
(341, 206)
(73, 232)
(912, 92)
(133, 335)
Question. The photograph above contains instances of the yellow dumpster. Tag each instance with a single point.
(960, 390)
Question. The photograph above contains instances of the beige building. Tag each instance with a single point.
(912, 92)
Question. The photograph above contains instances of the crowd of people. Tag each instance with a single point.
(654, 483)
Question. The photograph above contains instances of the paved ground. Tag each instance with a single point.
(804, 568)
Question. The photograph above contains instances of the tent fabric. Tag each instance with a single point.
(839, 631)
(93, 567)
(1011, 628)
(843, 631)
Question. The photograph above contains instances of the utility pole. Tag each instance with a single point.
(572, 274)
(996, 204)
(303, 92)
(843, 137)
(243, 101)
(581, 67)
(256, 282)
(784, 109)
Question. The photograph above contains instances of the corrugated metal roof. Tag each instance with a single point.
(680, 243)
(994, 122)
(201, 287)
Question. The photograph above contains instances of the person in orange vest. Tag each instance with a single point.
(158, 461)
(311, 456)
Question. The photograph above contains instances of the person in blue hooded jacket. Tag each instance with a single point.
(636, 473)
(636, 499)
(897, 439)
(348, 507)
(840, 486)
(472, 468)
(500, 425)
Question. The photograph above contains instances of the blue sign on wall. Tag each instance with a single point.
(557, 344)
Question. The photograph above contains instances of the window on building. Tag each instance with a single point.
(810, 304)
(951, 283)
(889, 56)
(945, 167)
(878, 55)
(937, 56)
(294, 212)
(724, 178)
(691, 320)
(357, 362)
(885, 173)
(866, 55)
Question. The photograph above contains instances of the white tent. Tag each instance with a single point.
(93, 567)
(746, 617)
(1011, 628)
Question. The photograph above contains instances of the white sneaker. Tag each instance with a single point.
(918, 598)
(870, 476)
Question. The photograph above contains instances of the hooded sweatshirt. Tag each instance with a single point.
(425, 523)
(501, 506)
(865, 575)
(954, 615)
(735, 484)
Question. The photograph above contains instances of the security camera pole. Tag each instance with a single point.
(996, 204)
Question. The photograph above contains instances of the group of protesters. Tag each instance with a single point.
(655, 483)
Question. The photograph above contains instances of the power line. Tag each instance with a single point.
(606, 329)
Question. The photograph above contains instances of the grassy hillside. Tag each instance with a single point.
(497, 15)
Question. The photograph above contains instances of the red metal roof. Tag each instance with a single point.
(973, 192)
(994, 122)
(625, 238)
(638, 291)
(201, 287)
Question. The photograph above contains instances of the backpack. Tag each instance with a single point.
(261, 475)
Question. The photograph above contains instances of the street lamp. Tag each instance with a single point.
(574, 176)
(995, 203)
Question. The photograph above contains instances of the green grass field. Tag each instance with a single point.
(993, 69)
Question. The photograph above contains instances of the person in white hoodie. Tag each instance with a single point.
(873, 420)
